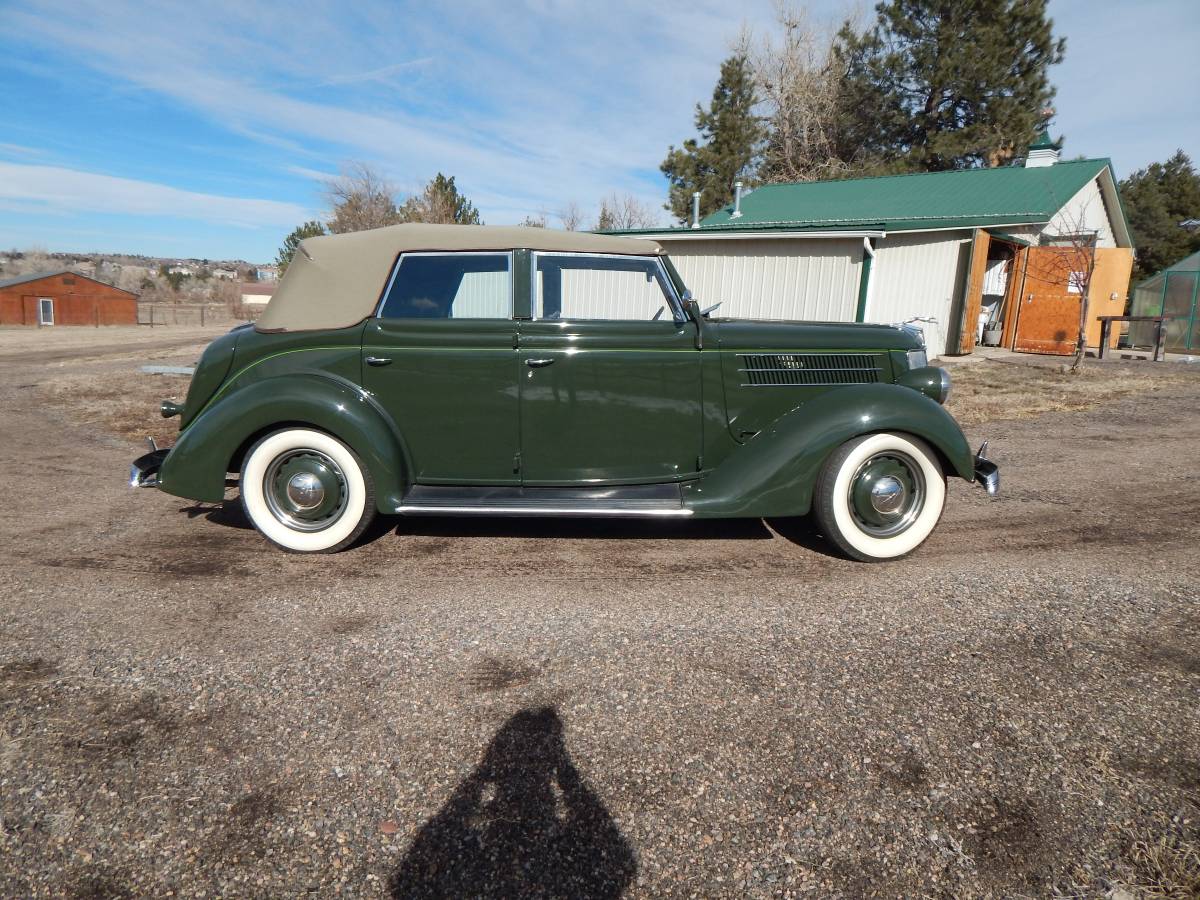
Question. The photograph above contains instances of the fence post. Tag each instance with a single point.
(201, 316)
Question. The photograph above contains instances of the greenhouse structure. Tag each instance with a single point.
(1172, 292)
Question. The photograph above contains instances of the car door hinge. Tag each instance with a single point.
(517, 463)
(516, 340)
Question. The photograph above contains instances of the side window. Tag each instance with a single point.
(601, 287)
(450, 286)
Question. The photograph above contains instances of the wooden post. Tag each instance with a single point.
(1160, 339)
(1105, 328)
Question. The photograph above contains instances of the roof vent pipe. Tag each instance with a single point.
(737, 199)
(695, 209)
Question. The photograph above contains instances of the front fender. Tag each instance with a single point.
(774, 474)
(197, 464)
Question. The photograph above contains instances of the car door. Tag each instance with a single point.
(441, 358)
(609, 374)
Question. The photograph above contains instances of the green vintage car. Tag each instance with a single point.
(468, 370)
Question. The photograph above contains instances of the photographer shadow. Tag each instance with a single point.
(523, 824)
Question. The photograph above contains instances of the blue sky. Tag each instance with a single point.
(203, 129)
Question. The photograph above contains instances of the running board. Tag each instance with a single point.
(630, 500)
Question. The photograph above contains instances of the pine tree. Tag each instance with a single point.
(441, 204)
(607, 219)
(292, 241)
(942, 84)
(731, 136)
(1157, 199)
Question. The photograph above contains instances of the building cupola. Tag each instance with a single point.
(1043, 151)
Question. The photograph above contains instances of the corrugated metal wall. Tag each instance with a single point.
(605, 294)
(483, 295)
(802, 279)
(920, 276)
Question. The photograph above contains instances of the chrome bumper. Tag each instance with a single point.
(987, 472)
(144, 471)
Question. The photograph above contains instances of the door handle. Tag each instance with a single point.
(539, 363)
(378, 361)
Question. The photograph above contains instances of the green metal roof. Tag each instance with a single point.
(924, 201)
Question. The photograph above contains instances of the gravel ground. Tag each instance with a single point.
(590, 708)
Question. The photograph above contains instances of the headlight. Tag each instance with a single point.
(944, 386)
(931, 381)
(917, 359)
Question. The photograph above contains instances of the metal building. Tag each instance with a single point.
(966, 253)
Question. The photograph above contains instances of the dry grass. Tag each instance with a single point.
(1164, 867)
(1167, 868)
(124, 404)
(994, 389)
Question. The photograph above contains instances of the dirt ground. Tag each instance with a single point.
(597, 708)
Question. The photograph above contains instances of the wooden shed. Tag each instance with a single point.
(65, 297)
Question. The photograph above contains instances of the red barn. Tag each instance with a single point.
(65, 298)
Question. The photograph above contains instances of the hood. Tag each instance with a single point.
(750, 334)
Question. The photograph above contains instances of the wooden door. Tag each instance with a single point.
(973, 294)
(1111, 276)
(1048, 317)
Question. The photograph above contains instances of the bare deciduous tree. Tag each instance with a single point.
(571, 216)
(360, 198)
(625, 211)
(798, 78)
(537, 221)
(1072, 261)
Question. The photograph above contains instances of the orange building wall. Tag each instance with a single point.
(86, 302)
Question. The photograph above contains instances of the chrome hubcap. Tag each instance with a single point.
(887, 493)
(305, 491)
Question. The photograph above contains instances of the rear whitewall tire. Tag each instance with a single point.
(355, 510)
(833, 505)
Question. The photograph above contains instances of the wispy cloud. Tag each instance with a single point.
(20, 150)
(380, 74)
(53, 189)
(528, 104)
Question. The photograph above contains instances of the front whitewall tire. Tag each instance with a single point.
(344, 528)
(832, 500)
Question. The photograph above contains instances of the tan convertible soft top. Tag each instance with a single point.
(335, 281)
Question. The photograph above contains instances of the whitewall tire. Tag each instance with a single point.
(306, 491)
(880, 496)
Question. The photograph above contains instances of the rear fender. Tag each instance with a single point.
(774, 473)
(197, 465)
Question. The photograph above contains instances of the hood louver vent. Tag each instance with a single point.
(783, 369)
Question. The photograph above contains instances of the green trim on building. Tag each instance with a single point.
(864, 284)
